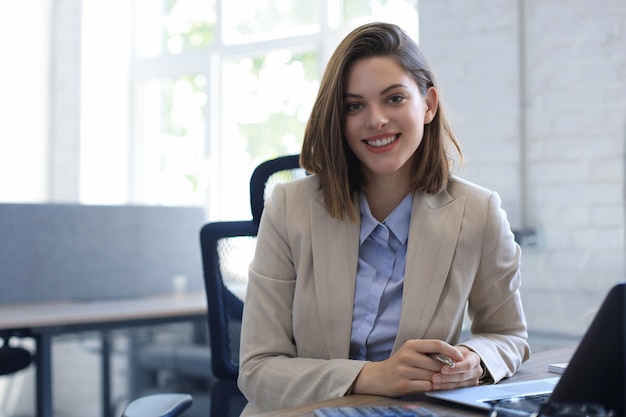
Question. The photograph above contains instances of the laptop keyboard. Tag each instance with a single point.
(375, 411)
(526, 404)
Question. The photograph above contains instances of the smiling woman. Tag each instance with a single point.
(363, 270)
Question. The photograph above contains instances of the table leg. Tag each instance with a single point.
(43, 376)
(106, 373)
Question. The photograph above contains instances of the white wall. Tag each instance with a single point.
(538, 91)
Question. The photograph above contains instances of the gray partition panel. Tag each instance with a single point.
(51, 252)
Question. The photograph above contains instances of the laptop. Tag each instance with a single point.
(595, 373)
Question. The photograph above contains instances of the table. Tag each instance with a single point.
(534, 368)
(42, 321)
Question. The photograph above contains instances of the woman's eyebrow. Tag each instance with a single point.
(393, 86)
(385, 91)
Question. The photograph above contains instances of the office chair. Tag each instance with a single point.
(227, 248)
(158, 405)
(12, 358)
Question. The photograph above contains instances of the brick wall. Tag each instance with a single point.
(538, 92)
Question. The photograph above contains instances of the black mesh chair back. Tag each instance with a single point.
(227, 249)
(267, 175)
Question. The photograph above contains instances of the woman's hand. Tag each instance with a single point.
(411, 370)
(465, 373)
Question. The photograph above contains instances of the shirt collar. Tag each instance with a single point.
(398, 221)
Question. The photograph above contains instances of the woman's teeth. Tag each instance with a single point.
(381, 142)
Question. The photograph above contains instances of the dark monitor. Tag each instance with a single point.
(596, 372)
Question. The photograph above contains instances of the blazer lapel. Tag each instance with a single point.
(433, 235)
(335, 256)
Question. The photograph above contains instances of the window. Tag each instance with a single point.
(218, 86)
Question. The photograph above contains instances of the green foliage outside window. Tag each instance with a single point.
(189, 24)
(268, 97)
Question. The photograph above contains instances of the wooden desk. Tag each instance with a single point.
(42, 321)
(534, 368)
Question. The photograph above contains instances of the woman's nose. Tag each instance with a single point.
(376, 118)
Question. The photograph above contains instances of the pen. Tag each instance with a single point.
(443, 359)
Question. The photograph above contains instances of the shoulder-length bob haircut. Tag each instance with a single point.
(324, 149)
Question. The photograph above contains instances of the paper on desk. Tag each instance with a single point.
(557, 368)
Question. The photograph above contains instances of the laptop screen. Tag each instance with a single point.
(596, 372)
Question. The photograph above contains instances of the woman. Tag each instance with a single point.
(364, 270)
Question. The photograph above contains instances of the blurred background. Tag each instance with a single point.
(174, 102)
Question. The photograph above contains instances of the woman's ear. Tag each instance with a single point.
(432, 103)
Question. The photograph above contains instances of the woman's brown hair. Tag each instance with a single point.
(324, 150)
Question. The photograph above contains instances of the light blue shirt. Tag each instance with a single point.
(379, 280)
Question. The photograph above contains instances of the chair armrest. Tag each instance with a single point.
(158, 405)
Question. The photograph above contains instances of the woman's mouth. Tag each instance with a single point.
(382, 142)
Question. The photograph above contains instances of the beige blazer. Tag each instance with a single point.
(297, 318)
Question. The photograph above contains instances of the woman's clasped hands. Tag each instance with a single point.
(411, 370)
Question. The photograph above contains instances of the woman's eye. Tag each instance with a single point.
(353, 107)
(396, 99)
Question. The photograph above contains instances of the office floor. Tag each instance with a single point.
(77, 378)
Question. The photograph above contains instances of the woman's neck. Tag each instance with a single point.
(384, 195)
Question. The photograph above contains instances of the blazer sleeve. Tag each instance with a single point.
(498, 324)
(271, 374)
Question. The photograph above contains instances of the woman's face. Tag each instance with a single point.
(384, 116)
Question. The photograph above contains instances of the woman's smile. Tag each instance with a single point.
(382, 143)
